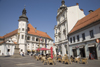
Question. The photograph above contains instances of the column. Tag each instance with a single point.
(97, 50)
(78, 52)
(63, 50)
(70, 50)
(86, 51)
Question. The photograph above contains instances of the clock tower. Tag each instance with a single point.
(22, 31)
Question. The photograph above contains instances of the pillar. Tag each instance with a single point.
(78, 51)
(97, 50)
(70, 50)
(63, 50)
(86, 51)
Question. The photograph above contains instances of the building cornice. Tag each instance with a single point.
(86, 27)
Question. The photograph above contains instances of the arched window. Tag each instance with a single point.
(37, 39)
(28, 38)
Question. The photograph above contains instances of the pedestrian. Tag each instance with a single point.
(23, 54)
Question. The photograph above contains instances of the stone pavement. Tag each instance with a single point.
(28, 61)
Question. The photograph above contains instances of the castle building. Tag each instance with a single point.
(26, 36)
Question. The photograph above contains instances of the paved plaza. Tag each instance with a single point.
(28, 61)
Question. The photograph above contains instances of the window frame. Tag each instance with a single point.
(74, 39)
(22, 29)
(70, 40)
(22, 36)
(28, 38)
(78, 38)
(91, 34)
(83, 36)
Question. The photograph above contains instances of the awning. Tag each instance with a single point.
(28, 50)
(33, 50)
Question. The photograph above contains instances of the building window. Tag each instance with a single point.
(8, 50)
(91, 34)
(56, 31)
(37, 39)
(56, 38)
(22, 29)
(22, 36)
(32, 38)
(78, 38)
(70, 40)
(74, 39)
(83, 36)
(28, 38)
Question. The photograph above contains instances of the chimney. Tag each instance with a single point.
(77, 4)
(81, 9)
(90, 11)
(35, 29)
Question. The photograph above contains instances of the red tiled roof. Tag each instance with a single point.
(1, 37)
(2, 42)
(90, 18)
(33, 31)
(30, 31)
(11, 33)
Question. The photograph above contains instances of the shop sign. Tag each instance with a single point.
(97, 40)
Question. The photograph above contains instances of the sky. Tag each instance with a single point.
(41, 13)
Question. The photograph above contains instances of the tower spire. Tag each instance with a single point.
(23, 16)
(63, 4)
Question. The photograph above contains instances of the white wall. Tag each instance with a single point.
(73, 15)
(4, 49)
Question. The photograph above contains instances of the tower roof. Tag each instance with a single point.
(23, 16)
(63, 5)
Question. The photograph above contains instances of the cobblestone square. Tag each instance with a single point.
(28, 61)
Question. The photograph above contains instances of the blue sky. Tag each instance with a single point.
(41, 13)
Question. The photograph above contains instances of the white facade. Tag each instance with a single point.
(66, 19)
(27, 42)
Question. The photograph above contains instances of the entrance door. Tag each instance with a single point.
(93, 51)
(75, 52)
(82, 52)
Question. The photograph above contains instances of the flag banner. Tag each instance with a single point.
(40, 39)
